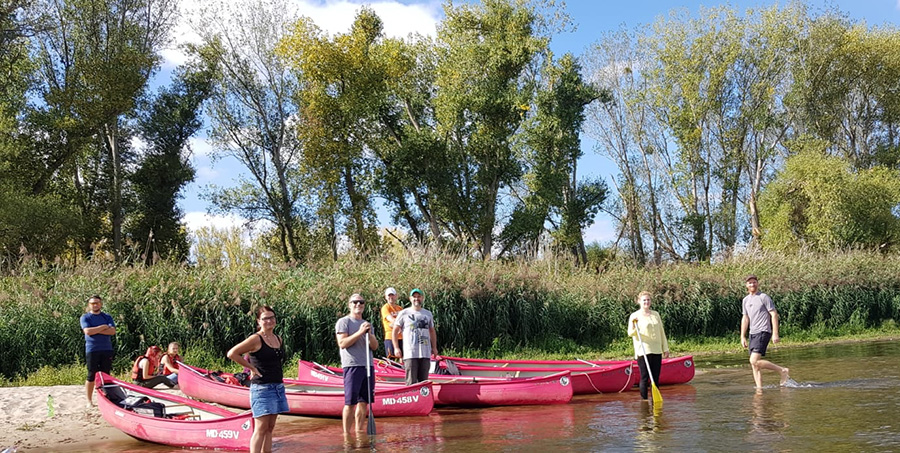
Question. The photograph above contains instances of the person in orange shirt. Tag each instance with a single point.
(388, 314)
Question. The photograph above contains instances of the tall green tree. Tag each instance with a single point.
(173, 117)
(96, 57)
(553, 149)
(342, 94)
(483, 92)
(255, 119)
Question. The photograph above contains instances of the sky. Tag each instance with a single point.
(592, 18)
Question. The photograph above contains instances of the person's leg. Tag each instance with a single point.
(389, 349)
(345, 419)
(644, 383)
(424, 368)
(361, 410)
(267, 444)
(261, 427)
(91, 361)
(409, 366)
(655, 366)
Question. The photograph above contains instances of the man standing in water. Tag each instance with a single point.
(760, 316)
(354, 335)
(98, 328)
(419, 338)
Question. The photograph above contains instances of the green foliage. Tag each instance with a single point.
(32, 227)
(547, 307)
(817, 201)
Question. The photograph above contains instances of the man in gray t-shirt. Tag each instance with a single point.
(353, 335)
(761, 319)
(419, 338)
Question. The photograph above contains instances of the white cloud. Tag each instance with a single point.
(206, 173)
(333, 17)
(196, 220)
(399, 20)
(200, 146)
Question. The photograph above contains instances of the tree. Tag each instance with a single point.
(95, 59)
(553, 148)
(484, 52)
(819, 201)
(254, 118)
(342, 94)
(173, 118)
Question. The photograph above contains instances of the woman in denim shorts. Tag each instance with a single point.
(265, 361)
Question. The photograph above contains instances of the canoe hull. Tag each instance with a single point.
(303, 400)
(467, 391)
(231, 432)
(675, 370)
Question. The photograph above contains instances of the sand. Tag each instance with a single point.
(27, 423)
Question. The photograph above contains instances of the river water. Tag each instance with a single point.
(842, 398)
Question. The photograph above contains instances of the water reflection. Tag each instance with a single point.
(853, 405)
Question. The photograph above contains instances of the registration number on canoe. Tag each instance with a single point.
(222, 433)
(400, 400)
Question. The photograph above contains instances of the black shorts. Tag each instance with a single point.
(759, 342)
(98, 361)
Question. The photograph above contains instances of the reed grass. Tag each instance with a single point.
(495, 309)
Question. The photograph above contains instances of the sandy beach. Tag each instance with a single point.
(27, 423)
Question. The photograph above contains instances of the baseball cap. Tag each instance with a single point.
(390, 291)
(417, 290)
(750, 277)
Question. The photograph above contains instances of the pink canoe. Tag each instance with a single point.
(464, 390)
(172, 420)
(675, 370)
(585, 381)
(306, 399)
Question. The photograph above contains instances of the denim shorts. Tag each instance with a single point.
(267, 399)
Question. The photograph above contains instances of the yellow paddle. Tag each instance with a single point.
(657, 397)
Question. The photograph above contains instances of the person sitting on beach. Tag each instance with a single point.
(144, 370)
(169, 362)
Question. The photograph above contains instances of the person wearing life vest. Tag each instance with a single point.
(169, 362)
(144, 370)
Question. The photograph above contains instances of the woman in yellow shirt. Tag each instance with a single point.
(655, 345)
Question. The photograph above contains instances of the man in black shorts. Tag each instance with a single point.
(98, 328)
(761, 318)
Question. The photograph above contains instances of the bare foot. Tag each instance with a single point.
(784, 375)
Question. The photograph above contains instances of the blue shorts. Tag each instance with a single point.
(357, 386)
(389, 348)
(759, 342)
(267, 399)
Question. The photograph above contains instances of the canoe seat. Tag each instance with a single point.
(114, 393)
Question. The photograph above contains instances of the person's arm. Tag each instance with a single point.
(433, 334)
(632, 326)
(345, 340)
(775, 337)
(662, 334)
(99, 330)
(395, 338)
(236, 354)
(745, 324)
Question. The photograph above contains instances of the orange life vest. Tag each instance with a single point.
(173, 359)
(137, 373)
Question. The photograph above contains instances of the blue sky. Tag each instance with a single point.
(591, 17)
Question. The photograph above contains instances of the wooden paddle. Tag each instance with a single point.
(657, 397)
(370, 429)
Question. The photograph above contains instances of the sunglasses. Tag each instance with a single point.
(267, 318)
(358, 302)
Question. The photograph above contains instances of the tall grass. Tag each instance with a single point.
(496, 308)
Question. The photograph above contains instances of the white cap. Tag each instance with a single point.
(390, 291)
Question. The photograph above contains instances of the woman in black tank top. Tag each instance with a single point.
(266, 357)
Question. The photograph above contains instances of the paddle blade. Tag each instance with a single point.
(370, 430)
(657, 397)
